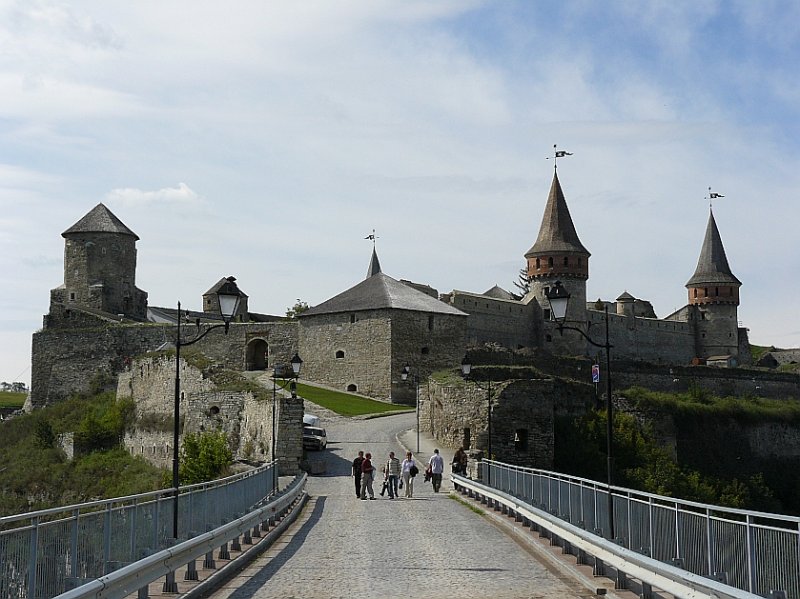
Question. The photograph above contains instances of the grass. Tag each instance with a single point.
(12, 400)
(468, 504)
(345, 404)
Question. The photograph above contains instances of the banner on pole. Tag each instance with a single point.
(595, 373)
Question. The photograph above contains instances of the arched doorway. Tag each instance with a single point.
(257, 355)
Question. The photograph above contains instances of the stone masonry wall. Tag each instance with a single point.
(510, 323)
(63, 361)
(245, 419)
(363, 342)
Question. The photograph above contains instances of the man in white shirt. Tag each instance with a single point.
(436, 466)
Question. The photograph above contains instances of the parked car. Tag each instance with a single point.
(314, 438)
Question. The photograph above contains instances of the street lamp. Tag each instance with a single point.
(297, 364)
(466, 369)
(558, 298)
(415, 379)
(228, 296)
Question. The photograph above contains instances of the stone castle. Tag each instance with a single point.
(361, 339)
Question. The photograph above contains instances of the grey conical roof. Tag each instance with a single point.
(374, 264)
(378, 292)
(99, 220)
(712, 267)
(557, 233)
(498, 293)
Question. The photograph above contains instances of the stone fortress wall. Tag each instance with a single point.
(245, 419)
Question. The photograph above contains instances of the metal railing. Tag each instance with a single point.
(45, 553)
(752, 551)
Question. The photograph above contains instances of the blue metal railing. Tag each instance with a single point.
(752, 551)
(44, 553)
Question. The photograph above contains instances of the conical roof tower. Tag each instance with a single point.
(713, 281)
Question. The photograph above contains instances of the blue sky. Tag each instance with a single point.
(266, 140)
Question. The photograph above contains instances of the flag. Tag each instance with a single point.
(562, 153)
(714, 195)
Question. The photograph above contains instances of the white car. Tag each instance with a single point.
(314, 438)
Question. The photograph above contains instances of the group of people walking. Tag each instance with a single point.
(396, 475)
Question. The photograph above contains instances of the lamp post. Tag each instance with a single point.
(415, 379)
(558, 298)
(466, 369)
(228, 296)
(297, 364)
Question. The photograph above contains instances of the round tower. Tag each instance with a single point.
(714, 298)
(558, 254)
(100, 267)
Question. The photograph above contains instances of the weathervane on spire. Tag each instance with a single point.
(712, 195)
(558, 154)
(372, 237)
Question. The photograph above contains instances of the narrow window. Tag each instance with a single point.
(566, 261)
(425, 351)
(430, 322)
(550, 262)
(339, 354)
(538, 263)
(352, 318)
(716, 291)
(580, 261)
(695, 291)
(72, 296)
(352, 388)
(546, 314)
(548, 338)
(467, 439)
(706, 291)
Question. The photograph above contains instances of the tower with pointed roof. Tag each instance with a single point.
(99, 268)
(559, 255)
(714, 296)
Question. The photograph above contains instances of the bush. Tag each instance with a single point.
(204, 457)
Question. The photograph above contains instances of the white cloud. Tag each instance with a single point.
(182, 194)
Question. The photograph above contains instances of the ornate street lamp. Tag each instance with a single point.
(297, 364)
(228, 296)
(466, 369)
(404, 374)
(558, 298)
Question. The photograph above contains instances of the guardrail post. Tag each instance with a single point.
(599, 568)
(208, 562)
(32, 555)
(750, 556)
(647, 591)
(235, 545)
(107, 539)
(191, 571)
(170, 586)
(73, 544)
(621, 580)
(223, 552)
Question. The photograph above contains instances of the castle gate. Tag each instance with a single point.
(257, 352)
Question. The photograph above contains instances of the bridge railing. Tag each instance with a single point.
(753, 551)
(45, 553)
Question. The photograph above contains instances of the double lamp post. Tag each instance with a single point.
(404, 374)
(297, 364)
(558, 298)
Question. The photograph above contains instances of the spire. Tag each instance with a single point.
(712, 267)
(99, 220)
(374, 264)
(557, 233)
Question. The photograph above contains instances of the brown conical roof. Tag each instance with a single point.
(557, 233)
(712, 267)
(99, 220)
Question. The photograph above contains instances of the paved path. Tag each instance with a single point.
(430, 546)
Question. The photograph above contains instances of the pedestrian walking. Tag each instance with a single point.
(409, 469)
(436, 467)
(392, 470)
(367, 475)
(357, 472)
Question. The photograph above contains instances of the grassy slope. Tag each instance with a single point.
(12, 400)
(345, 403)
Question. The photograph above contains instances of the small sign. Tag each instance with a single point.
(595, 373)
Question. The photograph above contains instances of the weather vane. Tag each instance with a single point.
(712, 195)
(372, 237)
(558, 154)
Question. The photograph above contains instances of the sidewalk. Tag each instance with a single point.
(408, 441)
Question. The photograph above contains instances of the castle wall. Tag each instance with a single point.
(64, 361)
(246, 420)
(646, 339)
(510, 323)
(523, 414)
(363, 340)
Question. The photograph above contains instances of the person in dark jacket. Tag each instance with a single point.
(367, 476)
(357, 472)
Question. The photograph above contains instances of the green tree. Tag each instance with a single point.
(43, 433)
(204, 456)
(299, 307)
(523, 284)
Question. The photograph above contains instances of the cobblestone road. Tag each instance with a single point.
(430, 546)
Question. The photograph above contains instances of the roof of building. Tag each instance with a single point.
(712, 267)
(99, 220)
(218, 285)
(625, 297)
(380, 291)
(557, 233)
(498, 292)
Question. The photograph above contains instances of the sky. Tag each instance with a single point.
(266, 140)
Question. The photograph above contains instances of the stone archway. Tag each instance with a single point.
(257, 355)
